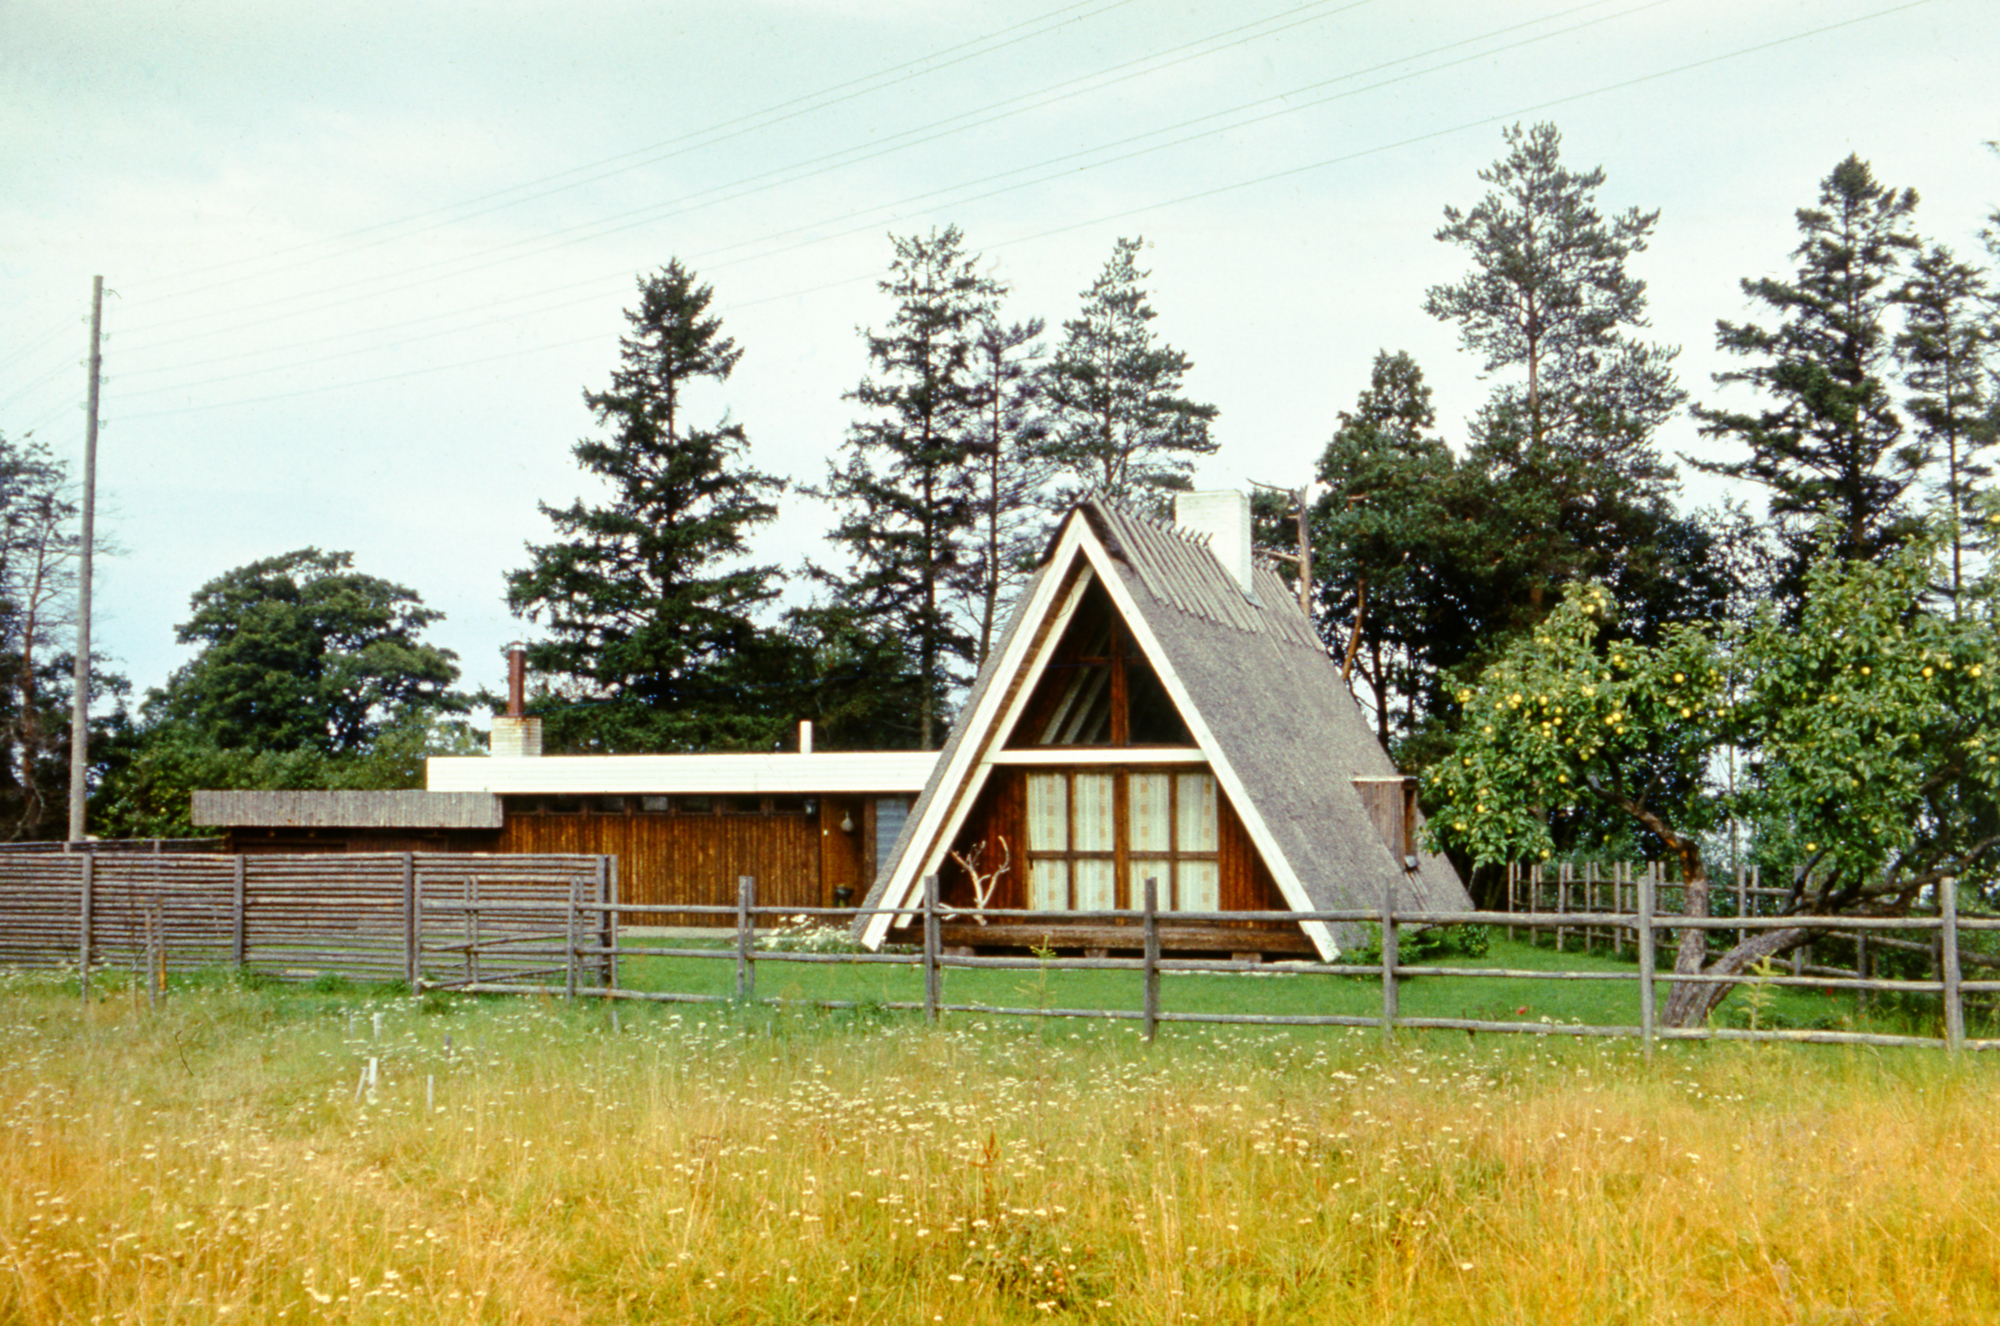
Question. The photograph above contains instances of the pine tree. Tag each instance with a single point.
(908, 523)
(1570, 444)
(649, 612)
(1945, 352)
(1009, 474)
(1830, 438)
(1118, 423)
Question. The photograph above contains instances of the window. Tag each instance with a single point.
(1169, 831)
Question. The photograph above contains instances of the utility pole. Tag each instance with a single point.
(79, 717)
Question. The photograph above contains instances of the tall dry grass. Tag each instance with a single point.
(214, 1162)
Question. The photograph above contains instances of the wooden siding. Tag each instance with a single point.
(686, 859)
(1246, 883)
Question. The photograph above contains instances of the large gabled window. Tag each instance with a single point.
(1095, 836)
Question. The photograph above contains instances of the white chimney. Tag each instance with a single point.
(1224, 516)
(516, 738)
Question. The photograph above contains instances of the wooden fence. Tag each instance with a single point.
(418, 917)
(1640, 927)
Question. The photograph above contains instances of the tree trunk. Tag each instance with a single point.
(1689, 1003)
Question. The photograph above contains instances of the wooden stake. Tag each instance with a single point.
(1152, 983)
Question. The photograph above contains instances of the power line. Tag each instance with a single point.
(1252, 181)
(818, 164)
(35, 343)
(603, 227)
(793, 108)
(712, 260)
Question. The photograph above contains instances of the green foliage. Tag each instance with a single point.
(1946, 354)
(903, 481)
(1829, 438)
(652, 641)
(1868, 719)
(300, 652)
(149, 774)
(1119, 425)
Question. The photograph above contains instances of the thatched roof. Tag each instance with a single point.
(1281, 730)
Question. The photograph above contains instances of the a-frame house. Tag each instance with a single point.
(1160, 707)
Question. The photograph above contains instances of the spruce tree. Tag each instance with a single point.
(1945, 352)
(903, 480)
(1118, 422)
(652, 640)
(1829, 438)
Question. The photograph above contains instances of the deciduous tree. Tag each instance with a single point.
(303, 652)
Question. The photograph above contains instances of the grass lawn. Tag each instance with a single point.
(260, 1154)
(1611, 1002)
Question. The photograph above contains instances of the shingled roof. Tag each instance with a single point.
(1283, 734)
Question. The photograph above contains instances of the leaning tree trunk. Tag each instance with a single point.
(1690, 1002)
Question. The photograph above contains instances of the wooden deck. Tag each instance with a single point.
(1112, 937)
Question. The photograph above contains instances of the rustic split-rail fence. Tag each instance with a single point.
(554, 925)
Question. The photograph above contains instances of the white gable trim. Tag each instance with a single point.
(959, 783)
(1253, 821)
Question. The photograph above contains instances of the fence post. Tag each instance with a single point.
(412, 927)
(607, 893)
(1389, 961)
(933, 985)
(1513, 878)
(746, 969)
(1954, 998)
(239, 940)
(1742, 905)
(84, 937)
(1152, 925)
(569, 939)
(1646, 962)
(1562, 901)
(1861, 970)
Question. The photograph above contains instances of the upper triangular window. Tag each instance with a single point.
(1098, 688)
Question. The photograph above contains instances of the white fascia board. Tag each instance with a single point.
(969, 765)
(1074, 756)
(1239, 797)
(889, 772)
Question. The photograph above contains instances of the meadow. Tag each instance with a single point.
(225, 1158)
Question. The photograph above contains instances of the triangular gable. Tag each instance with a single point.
(1078, 557)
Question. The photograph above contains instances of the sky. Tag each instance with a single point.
(363, 260)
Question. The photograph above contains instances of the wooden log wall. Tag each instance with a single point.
(372, 917)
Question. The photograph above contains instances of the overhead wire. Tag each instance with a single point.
(791, 173)
(1267, 177)
(713, 259)
(793, 108)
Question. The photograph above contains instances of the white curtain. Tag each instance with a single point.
(1048, 813)
(1048, 886)
(1201, 887)
(1158, 868)
(1152, 811)
(1095, 881)
(1196, 829)
(1095, 827)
